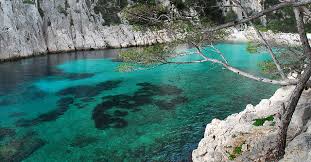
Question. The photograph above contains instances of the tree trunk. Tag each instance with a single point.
(289, 111)
(291, 106)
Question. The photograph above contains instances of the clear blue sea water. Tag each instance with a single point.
(78, 107)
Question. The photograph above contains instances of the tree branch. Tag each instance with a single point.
(276, 62)
(219, 52)
(302, 34)
(236, 70)
(257, 15)
(295, 96)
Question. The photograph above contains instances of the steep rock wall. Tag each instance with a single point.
(31, 27)
(249, 5)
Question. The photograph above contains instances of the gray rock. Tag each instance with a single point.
(257, 143)
(63, 25)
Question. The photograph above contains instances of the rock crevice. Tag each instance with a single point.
(46, 26)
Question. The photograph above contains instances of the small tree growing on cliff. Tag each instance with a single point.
(201, 33)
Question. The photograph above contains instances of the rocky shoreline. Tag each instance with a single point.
(136, 39)
(28, 29)
(251, 134)
(237, 138)
(249, 34)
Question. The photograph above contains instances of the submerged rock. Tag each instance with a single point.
(143, 96)
(167, 105)
(238, 138)
(120, 113)
(62, 106)
(86, 91)
(6, 132)
(17, 114)
(83, 141)
(19, 149)
(103, 120)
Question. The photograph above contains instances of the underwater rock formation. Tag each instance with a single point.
(145, 95)
(62, 106)
(88, 91)
(17, 150)
(68, 97)
(6, 132)
(83, 141)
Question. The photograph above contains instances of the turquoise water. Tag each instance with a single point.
(78, 107)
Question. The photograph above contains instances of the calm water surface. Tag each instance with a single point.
(78, 107)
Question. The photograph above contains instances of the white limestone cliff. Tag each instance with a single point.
(63, 25)
(257, 143)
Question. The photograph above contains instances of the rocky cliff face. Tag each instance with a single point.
(249, 5)
(238, 139)
(31, 27)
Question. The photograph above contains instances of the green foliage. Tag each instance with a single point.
(282, 20)
(231, 16)
(179, 4)
(150, 2)
(268, 67)
(109, 10)
(152, 16)
(290, 58)
(145, 56)
(141, 58)
(252, 47)
(286, 25)
(261, 28)
(28, 1)
(125, 67)
(146, 15)
(261, 121)
(236, 152)
(204, 9)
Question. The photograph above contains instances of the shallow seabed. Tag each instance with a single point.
(78, 107)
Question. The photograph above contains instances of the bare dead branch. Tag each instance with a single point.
(302, 83)
(259, 14)
(199, 51)
(264, 41)
(236, 70)
(219, 52)
(302, 34)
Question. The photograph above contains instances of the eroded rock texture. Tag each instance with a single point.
(238, 139)
(30, 27)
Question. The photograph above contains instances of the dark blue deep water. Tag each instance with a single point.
(78, 107)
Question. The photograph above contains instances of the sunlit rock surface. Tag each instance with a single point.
(41, 26)
(249, 34)
(237, 138)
